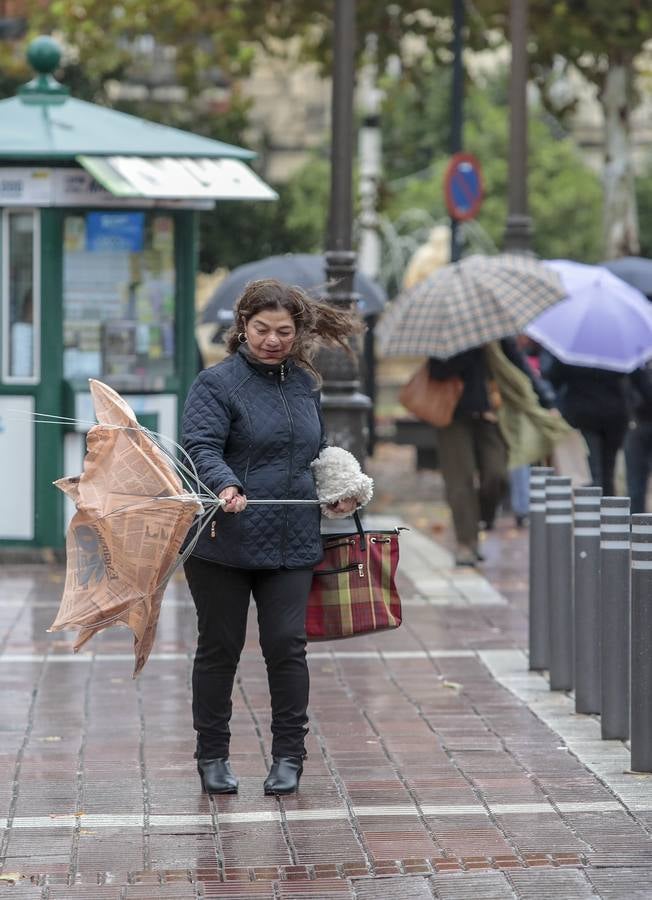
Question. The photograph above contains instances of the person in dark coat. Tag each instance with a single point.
(472, 447)
(595, 402)
(253, 428)
(638, 441)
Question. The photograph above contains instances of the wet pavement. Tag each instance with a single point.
(438, 766)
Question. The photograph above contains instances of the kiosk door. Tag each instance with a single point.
(20, 369)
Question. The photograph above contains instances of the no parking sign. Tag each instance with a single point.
(463, 187)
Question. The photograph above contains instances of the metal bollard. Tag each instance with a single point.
(614, 617)
(559, 540)
(641, 647)
(586, 590)
(539, 624)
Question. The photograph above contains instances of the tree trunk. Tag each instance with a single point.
(620, 213)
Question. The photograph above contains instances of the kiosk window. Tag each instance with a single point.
(20, 297)
(118, 298)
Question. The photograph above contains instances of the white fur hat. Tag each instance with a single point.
(338, 476)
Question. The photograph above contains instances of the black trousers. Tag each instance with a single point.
(221, 596)
(604, 444)
(638, 457)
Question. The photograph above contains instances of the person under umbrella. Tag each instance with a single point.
(602, 322)
(519, 477)
(594, 338)
(638, 440)
(637, 271)
(472, 450)
(467, 304)
(595, 402)
(450, 316)
(252, 427)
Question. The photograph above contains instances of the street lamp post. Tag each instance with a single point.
(345, 407)
(457, 107)
(518, 230)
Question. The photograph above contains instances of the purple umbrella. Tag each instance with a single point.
(604, 322)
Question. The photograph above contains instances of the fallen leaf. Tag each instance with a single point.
(11, 877)
(76, 815)
(454, 685)
(51, 738)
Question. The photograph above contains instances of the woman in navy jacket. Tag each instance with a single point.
(252, 425)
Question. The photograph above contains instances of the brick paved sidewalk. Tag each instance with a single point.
(438, 766)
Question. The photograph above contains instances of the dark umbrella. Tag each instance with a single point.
(635, 270)
(307, 270)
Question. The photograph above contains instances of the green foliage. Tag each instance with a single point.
(415, 120)
(103, 37)
(226, 124)
(208, 38)
(644, 201)
(590, 33)
(565, 197)
(219, 33)
(223, 33)
(235, 233)
(220, 36)
(307, 196)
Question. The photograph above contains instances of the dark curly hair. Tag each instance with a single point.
(317, 323)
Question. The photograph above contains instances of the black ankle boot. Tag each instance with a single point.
(284, 775)
(216, 776)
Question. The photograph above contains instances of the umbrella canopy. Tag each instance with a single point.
(123, 542)
(468, 304)
(604, 323)
(306, 270)
(635, 270)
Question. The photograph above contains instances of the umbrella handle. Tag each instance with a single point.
(263, 502)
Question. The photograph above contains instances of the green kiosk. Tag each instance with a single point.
(98, 231)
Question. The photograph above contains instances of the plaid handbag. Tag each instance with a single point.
(353, 589)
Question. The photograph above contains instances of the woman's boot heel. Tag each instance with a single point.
(284, 775)
(216, 776)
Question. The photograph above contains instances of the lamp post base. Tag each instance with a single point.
(518, 234)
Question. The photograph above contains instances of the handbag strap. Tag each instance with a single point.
(358, 525)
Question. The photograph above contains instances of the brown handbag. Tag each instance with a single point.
(431, 399)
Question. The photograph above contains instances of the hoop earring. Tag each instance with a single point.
(242, 337)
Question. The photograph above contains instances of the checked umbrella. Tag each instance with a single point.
(467, 304)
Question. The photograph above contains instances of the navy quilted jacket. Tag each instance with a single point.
(257, 426)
